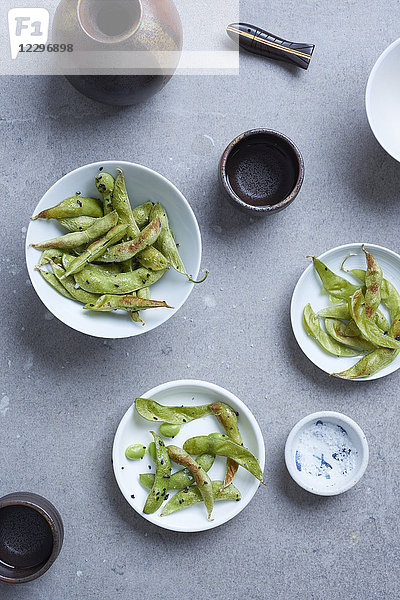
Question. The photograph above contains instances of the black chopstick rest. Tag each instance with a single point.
(256, 40)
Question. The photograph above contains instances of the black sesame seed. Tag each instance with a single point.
(116, 285)
(122, 467)
(161, 462)
(91, 304)
(101, 168)
(78, 193)
(166, 497)
(143, 281)
(166, 477)
(87, 281)
(149, 466)
(132, 495)
(79, 202)
(397, 337)
(184, 420)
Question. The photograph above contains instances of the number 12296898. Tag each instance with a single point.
(46, 48)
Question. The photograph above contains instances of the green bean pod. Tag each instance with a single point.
(223, 446)
(130, 303)
(76, 206)
(53, 281)
(337, 330)
(141, 214)
(163, 472)
(77, 223)
(179, 479)
(192, 495)
(96, 249)
(176, 415)
(105, 185)
(228, 419)
(73, 240)
(70, 285)
(313, 328)
(123, 283)
(368, 329)
(152, 259)
(127, 250)
(334, 284)
(181, 457)
(123, 207)
(374, 361)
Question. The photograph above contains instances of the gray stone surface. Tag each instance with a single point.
(64, 394)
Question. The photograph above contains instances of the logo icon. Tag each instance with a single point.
(27, 26)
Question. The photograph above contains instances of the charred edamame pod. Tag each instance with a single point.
(228, 419)
(192, 495)
(105, 184)
(127, 250)
(77, 223)
(123, 283)
(368, 329)
(313, 328)
(177, 415)
(181, 457)
(130, 303)
(76, 206)
(78, 238)
(223, 446)
(96, 249)
(163, 472)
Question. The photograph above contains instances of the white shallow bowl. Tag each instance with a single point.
(134, 429)
(383, 100)
(308, 289)
(142, 184)
(320, 485)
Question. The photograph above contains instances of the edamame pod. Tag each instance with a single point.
(374, 361)
(123, 207)
(127, 250)
(228, 419)
(76, 206)
(389, 295)
(177, 415)
(373, 281)
(152, 259)
(179, 479)
(131, 303)
(334, 284)
(96, 249)
(165, 242)
(73, 240)
(141, 213)
(53, 281)
(123, 283)
(51, 254)
(105, 184)
(341, 311)
(368, 329)
(163, 472)
(313, 328)
(223, 446)
(192, 495)
(70, 285)
(181, 457)
(77, 223)
(337, 330)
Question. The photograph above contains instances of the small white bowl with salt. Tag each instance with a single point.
(326, 453)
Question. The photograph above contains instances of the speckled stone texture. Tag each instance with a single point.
(63, 394)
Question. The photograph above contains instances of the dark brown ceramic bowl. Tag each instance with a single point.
(261, 171)
(31, 536)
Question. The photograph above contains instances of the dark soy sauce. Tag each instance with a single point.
(26, 539)
(262, 171)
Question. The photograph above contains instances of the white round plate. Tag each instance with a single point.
(382, 100)
(143, 184)
(134, 429)
(320, 485)
(308, 289)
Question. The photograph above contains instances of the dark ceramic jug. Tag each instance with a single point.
(147, 27)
